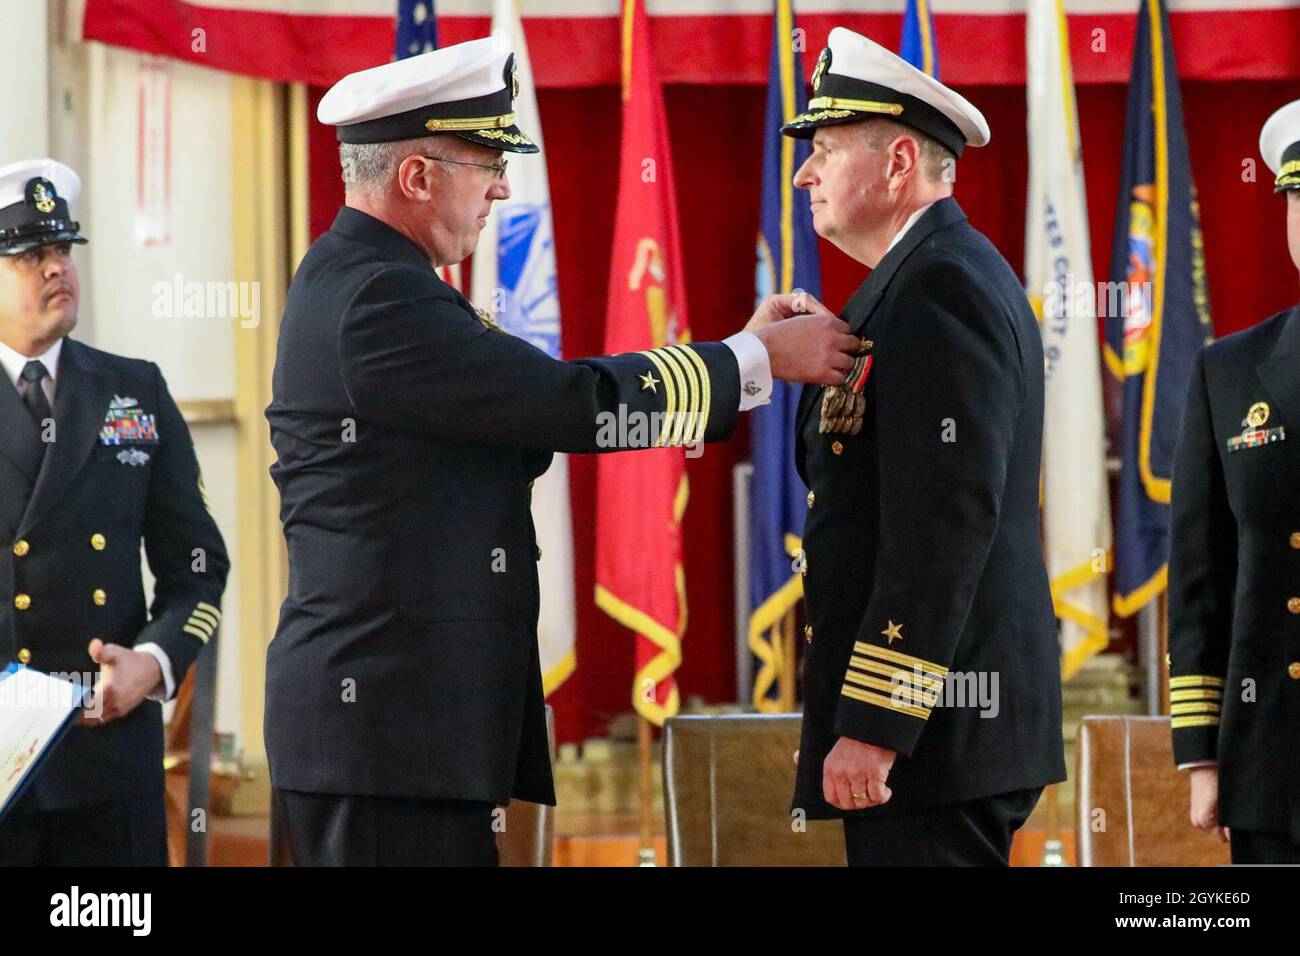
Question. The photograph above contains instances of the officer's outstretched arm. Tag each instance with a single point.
(185, 551)
(947, 399)
(1202, 572)
(426, 363)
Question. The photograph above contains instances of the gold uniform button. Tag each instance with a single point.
(807, 633)
(812, 498)
(99, 597)
(1295, 540)
(24, 656)
(1293, 605)
(21, 547)
(837, 447)
(98, 542)
(1294, 670)
(22, 601)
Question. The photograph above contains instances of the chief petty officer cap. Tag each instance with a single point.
(1279, 144)
(34, 198)
(856, 79)
(467, 89)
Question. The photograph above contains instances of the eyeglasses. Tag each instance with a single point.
(499, 170)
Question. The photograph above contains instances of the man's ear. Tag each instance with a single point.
(904, 157)
(415, 177)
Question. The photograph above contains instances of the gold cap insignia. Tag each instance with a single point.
(823, 62)
(42, 195)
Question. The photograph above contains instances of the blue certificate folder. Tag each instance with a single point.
(36, 711)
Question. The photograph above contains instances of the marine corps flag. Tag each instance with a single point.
(641, 496)
(787, 260)
(1163, 319)
(1058, 265)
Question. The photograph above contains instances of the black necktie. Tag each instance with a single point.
(38, 405)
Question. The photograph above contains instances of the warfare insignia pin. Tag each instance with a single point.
(134, 457)
(1257, 415)
(119, 403)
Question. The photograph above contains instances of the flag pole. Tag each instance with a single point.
(645, 793)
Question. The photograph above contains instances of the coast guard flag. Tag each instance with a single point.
(1058, 278)
(787, 260)
(513, 278)
(918, 47)
(1152, 341)
(641, 495)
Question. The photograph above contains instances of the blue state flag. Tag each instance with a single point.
(918, 47)
(1155, 327)
(787, 261)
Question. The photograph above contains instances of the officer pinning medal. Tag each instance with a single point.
(454, 419)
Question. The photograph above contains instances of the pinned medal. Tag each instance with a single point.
(843, 406)
(1257, 415)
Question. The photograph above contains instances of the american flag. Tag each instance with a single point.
(417, 28)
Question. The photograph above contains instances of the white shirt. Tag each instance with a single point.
(755, 369)
(13, 363)
(911, 221)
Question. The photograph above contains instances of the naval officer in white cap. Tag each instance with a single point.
(95, 459)
(932, 697)
(404, 695)
(1234, 567)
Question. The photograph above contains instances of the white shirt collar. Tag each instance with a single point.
(13, 361)
(911, 221)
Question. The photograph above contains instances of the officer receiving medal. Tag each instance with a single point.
(932, 699)
(95, 460)
(1234, 567)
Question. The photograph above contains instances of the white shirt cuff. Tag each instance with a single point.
(1198, 763)
(165, 665)
(755, 369)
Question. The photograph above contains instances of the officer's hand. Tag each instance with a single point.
(1205, 802)
(777, 307)
(809, 348)
(125, 678)
(853, 767)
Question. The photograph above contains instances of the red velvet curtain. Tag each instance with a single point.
(717, 133)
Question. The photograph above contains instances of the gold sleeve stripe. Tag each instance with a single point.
(692, 415)
(905, 692)
(202, 615)
(201, 625)
(881, 700)
(1196, 707)
(690, 395)
(706, 392)
(894, 671)
(1180, 723)
(1195, 680)
(205, 606)
(1195, 695)
(670, 396)
(202, 635)
(886, 654)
